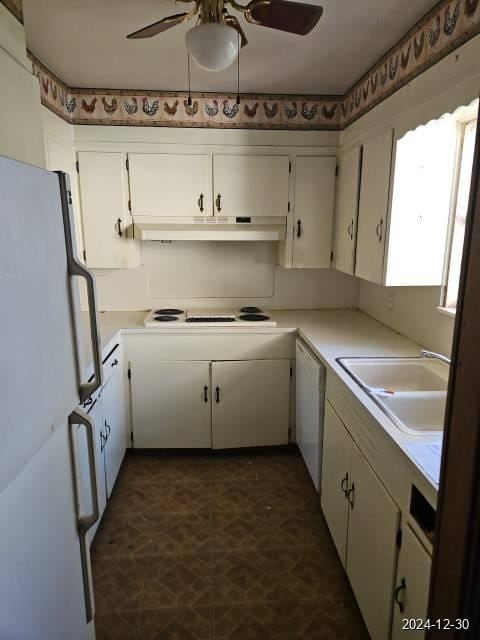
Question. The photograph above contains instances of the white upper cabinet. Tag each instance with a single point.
(346, 210)
(250, 185)
(313, 221)
(104, 200)
(166, 184)
(373, 207)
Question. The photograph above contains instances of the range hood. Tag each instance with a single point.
(268, 229)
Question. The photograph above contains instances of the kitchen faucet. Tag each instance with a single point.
(437, 356)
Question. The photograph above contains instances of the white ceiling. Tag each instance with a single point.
(83, 42)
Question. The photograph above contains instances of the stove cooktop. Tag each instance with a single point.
(246, 316)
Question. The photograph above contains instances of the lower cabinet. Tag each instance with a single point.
(108, 412)
(195, 404)
(412, 586)
(373, 525)
(250, 404)
(170, 404)
(114, 427)
(336, 472)
(96, 415)
(364, 523)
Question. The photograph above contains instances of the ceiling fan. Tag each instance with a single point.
(215, 40)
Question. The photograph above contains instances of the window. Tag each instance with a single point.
(455, 249)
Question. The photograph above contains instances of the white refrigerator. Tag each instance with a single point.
(47, 490)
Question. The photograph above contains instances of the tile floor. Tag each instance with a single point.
(219, 546)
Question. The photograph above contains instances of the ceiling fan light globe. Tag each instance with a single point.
(214, 46)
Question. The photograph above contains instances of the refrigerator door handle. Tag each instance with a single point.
(86, 521)
(76, 268)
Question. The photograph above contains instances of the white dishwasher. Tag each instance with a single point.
(310, 403)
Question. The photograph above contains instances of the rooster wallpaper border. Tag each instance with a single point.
(450, 24)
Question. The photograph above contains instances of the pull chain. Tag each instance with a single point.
(189, 101)
(238, 69)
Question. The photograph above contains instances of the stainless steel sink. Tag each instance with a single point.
(412, 392)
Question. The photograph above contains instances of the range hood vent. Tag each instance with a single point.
(222, 229)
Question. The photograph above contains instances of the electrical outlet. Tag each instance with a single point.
(391, 301)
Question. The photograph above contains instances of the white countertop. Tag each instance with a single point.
(330, 334)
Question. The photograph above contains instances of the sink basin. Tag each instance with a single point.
(419, 412)
(412, 392)
(399, 374)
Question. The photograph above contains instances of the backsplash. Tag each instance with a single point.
(450, 24)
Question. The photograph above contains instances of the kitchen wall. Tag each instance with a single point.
(21, 135)
(454, 81)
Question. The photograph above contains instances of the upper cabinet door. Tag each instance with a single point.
(249, 185)
(372, 552)
(373, 209)
(346, 210)
(314, 198)
(165, 184)
(104, 200)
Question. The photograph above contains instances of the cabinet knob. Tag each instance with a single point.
(200, 202)
(217, 395)
(218, 202)
(299, 228)
(118, 227)
(401, 587)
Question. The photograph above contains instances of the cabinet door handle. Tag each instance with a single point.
(379, 230)
(344, 485)
(205, 393)
(350, 229)
(114, 363)
(200, 202)
(109, 429)
(118, 227)
(351, 492)
(217, 395)
(87, 402)
(299, 228)
(401, 587)
(218, 202)
(103, 441)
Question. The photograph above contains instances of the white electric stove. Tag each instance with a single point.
(246, 316)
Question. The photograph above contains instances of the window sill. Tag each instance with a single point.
(451, 313)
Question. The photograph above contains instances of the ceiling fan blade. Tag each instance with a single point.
(293, 17)
(232, 21)
(160, 26)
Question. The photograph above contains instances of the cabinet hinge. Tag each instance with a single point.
(289, 206)
(337, 171)
(127, 164)
(77, 166)
(130, 205)
(290, 167)
(129, 373)
(84, 255)
(399, 539)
